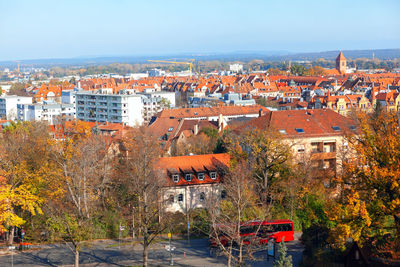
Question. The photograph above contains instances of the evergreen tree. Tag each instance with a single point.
(283, 260)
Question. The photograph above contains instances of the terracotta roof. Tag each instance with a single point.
(210, 111)
(303, 123)
(193, 165)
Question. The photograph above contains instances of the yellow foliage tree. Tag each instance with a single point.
(351, 217)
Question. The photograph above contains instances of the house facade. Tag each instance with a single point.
(190, 181)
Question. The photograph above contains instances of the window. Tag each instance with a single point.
(213, 175)
(188, 177)
(180, 197)
(223, 194)
(171, 199)
(336, 128)
(299, 130)
(200, 176)
(300, 149)
(175, 177)
(202, 197)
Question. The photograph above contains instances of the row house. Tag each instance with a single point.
(190, 181)
(342, 104)
(388, 99)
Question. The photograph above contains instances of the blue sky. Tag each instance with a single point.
(72, 28)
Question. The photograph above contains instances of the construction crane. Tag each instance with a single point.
(190, 63)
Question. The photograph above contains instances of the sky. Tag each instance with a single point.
(85, 28)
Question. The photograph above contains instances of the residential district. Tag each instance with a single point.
(271, 153)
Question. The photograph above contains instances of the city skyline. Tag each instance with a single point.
(69, 29)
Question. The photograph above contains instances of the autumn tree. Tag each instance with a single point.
(228, 215)
(18, 89)
(267, 157)
(85, 164)
(375, 173)
(139, 184)
(29, 175)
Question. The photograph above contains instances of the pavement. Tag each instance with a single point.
(108, 253)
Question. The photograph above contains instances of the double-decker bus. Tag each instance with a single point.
(257, 231)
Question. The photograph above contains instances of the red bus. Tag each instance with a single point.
(261, 231)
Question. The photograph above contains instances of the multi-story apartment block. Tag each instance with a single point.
(8, 105)
(154, 102)
(49, 111)
(104, 106)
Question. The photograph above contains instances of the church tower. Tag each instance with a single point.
(341, 63)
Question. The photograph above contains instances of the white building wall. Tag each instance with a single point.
(135, 108)
(107, 107)
(8, 105)
(190, 196)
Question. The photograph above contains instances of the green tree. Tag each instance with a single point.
(283, 259)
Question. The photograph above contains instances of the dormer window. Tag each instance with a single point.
(213, 175)
(188, 177)
(175, 178)
(200, 176)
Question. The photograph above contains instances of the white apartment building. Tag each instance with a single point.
(104, 106)
(8, 105)
(68, 96)
(156, 101)
(49, 111)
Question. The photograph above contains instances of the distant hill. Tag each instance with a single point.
(383, 54)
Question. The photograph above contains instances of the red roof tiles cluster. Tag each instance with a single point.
(194, 165)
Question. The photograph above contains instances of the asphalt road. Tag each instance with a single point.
(108, 253)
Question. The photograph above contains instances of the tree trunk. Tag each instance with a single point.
(133, 224)
(145, 255)
(230, 256)
(76, 257)
(10, 237)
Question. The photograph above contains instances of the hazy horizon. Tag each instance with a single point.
(47, 29)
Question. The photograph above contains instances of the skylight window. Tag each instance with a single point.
(336, 128)
(170, 129)
(282, 131)
(352, 127)
(299, 130)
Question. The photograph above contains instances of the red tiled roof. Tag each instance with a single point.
(313, 122)
(193, 165)
(210, 111)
